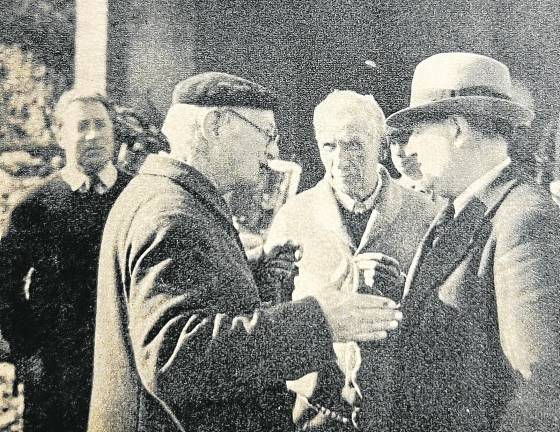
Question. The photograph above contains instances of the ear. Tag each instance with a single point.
(461, 132)
(57, 134)
(211, 124)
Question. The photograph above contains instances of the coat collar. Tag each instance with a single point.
(472, 223)
(190, 179)
(385, 210)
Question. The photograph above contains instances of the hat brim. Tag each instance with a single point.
(513, 113)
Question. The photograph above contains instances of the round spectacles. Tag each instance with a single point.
(272, 138)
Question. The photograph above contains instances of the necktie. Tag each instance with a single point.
(440, 225)
(99, 187)
(359, 208)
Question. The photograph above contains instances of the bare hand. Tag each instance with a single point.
(356, 317)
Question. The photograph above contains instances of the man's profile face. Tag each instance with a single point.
(349, 150)
(249, 144)
(86, 134)
(431, 144)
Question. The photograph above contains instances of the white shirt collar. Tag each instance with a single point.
(79, 181)
(355, 206)
(478, 186)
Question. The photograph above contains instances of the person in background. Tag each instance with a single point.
(49, 262)
(479, 349)
(183, 338)
(359, 216)
(135, 138)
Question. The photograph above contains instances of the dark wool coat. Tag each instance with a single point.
(182, 342)
(49, 260)
(479, 346)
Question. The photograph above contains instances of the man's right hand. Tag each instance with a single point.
(356, 317)
(359, 317)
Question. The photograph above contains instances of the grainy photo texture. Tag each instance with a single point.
(275, 216)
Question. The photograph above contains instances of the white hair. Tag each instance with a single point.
(181, 126)
(347, 104)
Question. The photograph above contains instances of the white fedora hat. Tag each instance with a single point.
(462, 83)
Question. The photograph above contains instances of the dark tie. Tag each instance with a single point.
(440, 225)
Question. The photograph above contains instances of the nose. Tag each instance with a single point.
(409, 149)
(91, 134)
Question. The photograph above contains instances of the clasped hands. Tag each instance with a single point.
(351, 316)
(358, 316)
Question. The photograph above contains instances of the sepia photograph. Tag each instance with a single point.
(279, 216)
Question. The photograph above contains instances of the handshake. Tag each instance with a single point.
(353, 316)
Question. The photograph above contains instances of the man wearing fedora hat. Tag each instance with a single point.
(480, 347)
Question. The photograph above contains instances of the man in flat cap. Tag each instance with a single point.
(360, 216)
(480, 346)
(183, 341)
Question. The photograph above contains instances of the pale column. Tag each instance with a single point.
(91, 45)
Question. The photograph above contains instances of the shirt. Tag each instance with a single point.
(478, 185)
(356, 206)
(79, 181)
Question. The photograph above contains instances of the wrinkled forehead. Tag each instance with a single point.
(345, 128)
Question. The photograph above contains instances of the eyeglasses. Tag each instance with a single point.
(272, 138)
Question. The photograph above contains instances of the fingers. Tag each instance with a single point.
(380, 319)
(368, 301)
(377, 256)
(373, 326)
(385, 273)
(288, 251)
(374, 336)
(371, 277)
(278, 264)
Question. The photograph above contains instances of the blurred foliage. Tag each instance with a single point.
(43, 27)
(26, 100)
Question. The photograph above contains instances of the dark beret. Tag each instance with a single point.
(221, 89)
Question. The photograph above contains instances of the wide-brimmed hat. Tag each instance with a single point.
(462, 83)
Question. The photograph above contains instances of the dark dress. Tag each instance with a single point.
(49, 259)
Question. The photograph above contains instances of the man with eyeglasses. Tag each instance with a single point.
(183, 341)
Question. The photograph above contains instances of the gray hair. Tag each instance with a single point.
(76, 95)
(348, 103)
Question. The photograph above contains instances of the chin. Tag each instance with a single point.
(94, 167)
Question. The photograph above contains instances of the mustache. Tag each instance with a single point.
(349, 168)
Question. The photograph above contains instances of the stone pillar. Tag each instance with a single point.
(90, 67)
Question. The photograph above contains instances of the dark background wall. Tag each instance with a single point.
(305, 49)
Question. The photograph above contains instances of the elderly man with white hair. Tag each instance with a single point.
(183, 339)
(356, 215)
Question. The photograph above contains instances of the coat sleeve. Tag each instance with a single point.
(20, 250)
(186, 349)
(527, 283)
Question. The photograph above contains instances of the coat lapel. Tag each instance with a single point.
(385, 210)
(430, 267)
(328, 215)
(453, 245)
